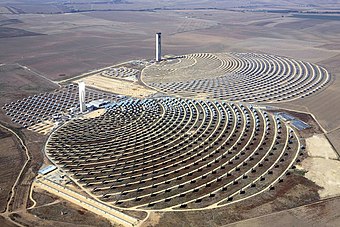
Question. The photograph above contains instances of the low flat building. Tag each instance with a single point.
(47, 170)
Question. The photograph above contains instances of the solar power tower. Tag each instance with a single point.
(158, 47)
(82, 96)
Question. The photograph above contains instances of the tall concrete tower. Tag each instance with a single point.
(158, 47)
(82, 96)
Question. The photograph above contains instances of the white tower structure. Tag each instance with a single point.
(82, 96)
(158, 47)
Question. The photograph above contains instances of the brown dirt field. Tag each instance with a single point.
(28, 219)
(77, 43)
(11, 161)
(95, 39)
(68, 213)
(17, 83)
(6, 223)
(42, 197)
(153, 219)
(141, 215)
(334, 138)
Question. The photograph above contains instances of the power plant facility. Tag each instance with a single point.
(158, 47)
(82, 96)
(141, 113)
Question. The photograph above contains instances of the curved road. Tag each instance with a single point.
(28, 158)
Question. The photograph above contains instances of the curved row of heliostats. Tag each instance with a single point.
(173, 153)
(246, 77)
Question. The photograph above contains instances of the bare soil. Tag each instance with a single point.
(42, 197)
(18, 82)
(11, 161)
(13, 32)
(6, 223)
(137, 214)
(65, 212)
(334, 138)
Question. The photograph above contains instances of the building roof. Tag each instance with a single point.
(97, 103)
(47, 169)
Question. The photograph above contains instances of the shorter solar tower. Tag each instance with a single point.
(82, 96)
